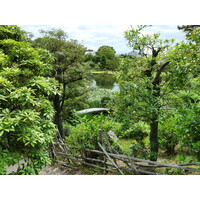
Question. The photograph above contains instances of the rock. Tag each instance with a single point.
(114, 138)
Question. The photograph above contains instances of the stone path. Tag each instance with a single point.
(51, 170)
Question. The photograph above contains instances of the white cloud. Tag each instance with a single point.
(94, 36)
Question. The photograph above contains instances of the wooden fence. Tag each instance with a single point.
(111, 162)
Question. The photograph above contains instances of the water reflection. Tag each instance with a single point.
(106, 81)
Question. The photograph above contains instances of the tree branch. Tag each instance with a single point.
(155, 52)
(63, 97)
(157, 78)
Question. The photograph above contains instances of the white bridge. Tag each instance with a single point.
(93, 110)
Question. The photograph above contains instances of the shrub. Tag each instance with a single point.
(139, 150)
(86, 134)
(137, 131)
(26, 113)
(190, 128)
(98, 96)
(104, 101)
(168, 135)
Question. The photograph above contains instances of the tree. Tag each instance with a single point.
(26, 114)
(106, 51)
(12, 32)
(188, 29)
(105, 55)
(147, 80)
(67, 67)
(189, 123)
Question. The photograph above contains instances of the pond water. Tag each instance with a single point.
(105, 81)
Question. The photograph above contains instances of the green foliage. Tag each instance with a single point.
(148, 82)
(190, 128)
(68, 70)
(138, 131)
(145, 43)
(104, 80)
(139, 151)
(105, 55)
(97, 96)
(105, 101)
(88, 57)
(12, 32)
(189, 29)
(168, 134)
(86, 134)
(26, 113)
(106, 51)
(7, 158)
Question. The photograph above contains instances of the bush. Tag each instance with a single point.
(138, 131)
(104, 101)
(168, 135)
(99, 97)
(26, 113)
(86, 134)
(168, 142)
(190, 129)
(139, 151)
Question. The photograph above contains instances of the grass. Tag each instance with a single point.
(125, 143)
(180, 157)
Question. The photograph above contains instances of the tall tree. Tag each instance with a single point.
(146, 80)
(67, 66)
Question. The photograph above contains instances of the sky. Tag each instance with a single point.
(94, 36)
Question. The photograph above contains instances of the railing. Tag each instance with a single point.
(111, 162)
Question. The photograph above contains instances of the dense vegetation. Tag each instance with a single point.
(26, 126)
(104, 59)
(43, 82)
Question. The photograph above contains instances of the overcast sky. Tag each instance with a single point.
(110, 18)
(94, 36)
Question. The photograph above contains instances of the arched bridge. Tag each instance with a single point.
(93, 110)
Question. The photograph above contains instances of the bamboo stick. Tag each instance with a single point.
(106, 169)
(111, 159)
(82, 162)
(133, 161)
(101, 134)
(187, 164)
(147, 161)
(103, 168)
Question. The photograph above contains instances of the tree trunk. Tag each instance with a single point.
(154, 139)
(154, 121)
(156, 95)
(58, 118)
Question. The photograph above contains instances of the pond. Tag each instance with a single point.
(105, 81)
